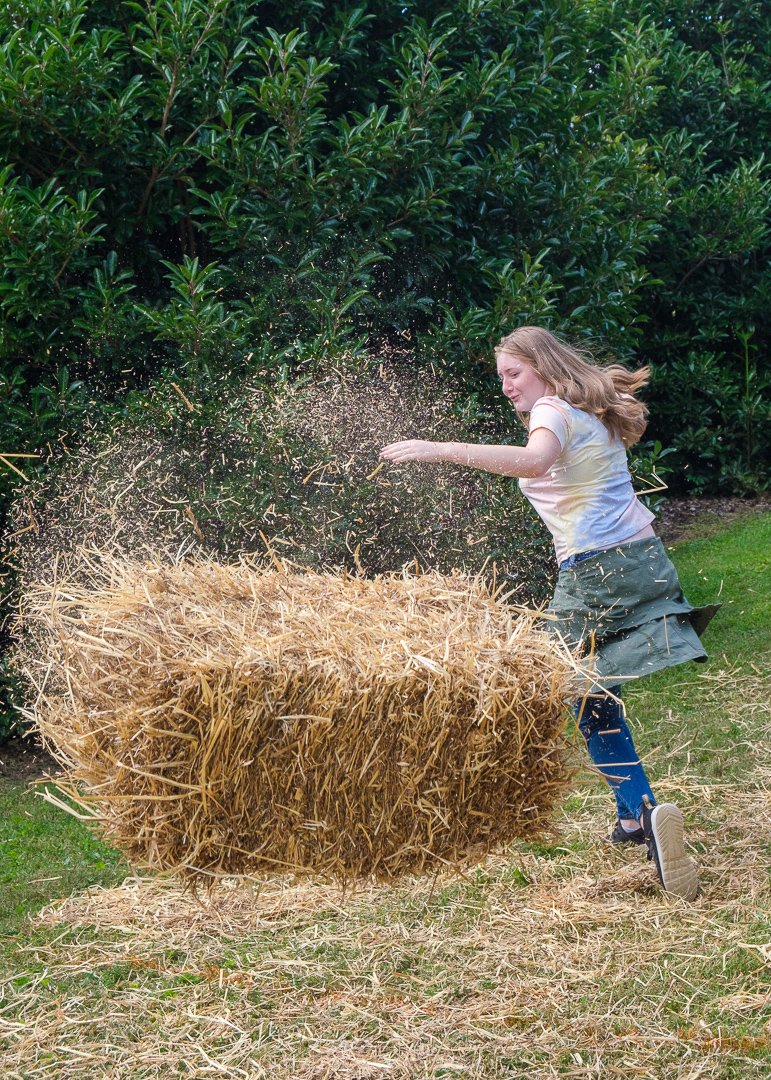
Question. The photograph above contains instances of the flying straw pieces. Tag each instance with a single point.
(228, 719)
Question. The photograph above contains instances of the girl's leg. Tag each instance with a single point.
(609, 742)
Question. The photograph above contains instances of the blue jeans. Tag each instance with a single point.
(570, 562)
(609, 742)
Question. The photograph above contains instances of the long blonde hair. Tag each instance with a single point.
(607, 392)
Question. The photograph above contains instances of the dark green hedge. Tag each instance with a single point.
(189, 184)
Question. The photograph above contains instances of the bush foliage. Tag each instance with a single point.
(199, 185)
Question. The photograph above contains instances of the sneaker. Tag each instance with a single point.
(620, 835)
(662, 826)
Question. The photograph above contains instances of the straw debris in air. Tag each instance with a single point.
(227, 719)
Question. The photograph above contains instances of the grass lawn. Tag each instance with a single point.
(561, 959)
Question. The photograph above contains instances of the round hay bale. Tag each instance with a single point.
(224, 719)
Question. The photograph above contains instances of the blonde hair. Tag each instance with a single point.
(607, 392)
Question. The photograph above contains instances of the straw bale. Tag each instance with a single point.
(228, 719)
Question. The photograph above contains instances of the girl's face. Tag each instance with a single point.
(520, 382)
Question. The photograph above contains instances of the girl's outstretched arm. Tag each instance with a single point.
(535, 459)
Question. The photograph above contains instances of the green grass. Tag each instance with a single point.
(732, 567)
(699, 708)
(44, 854)
(561, 959)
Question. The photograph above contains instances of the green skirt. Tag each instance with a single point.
(625, 612)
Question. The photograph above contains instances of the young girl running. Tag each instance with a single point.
(617, 592)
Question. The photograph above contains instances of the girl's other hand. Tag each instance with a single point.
(412, 450)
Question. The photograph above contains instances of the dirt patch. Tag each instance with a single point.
(22, 760)
(679, 517)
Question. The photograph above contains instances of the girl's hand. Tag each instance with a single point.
(413, 450)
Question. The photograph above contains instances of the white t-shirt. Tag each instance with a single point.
(586, 499)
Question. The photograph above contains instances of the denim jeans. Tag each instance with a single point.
(570, 562)
(602, 723)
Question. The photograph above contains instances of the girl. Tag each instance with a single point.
(617, 592)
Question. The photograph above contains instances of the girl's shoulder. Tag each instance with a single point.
(555, 401)
(553, 413)
(572, 413)
(551, 402)
(567, 421)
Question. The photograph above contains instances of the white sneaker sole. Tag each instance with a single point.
(677, 870)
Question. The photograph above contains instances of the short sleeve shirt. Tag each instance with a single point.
(586, 500)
